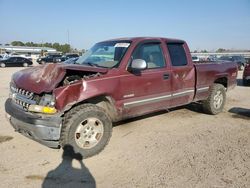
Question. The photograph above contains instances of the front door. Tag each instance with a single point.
(150, 89)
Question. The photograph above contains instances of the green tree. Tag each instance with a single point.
(204, 51)
(17, 43)
(221, 50)
(65, 48)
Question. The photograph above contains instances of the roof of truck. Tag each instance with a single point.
(133, 39)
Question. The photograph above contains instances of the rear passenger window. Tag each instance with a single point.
(177, 54)
(151, 53)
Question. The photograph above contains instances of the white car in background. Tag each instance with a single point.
(195, 58)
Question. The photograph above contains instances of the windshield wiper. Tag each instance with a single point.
(93, 64)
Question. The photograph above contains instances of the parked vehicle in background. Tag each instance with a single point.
(1, 57)
(15, 61)
(195, 59)
(246, 75)
(240, 60)
(212, 58)
(71, 60)
(21, 55)
(67, 56)
(48, 59)
(76, 104)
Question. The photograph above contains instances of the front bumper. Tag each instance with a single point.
(43, 129)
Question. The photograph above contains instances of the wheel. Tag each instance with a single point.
(25, 64)
(87, 128)
(216, 100)
(2, 65)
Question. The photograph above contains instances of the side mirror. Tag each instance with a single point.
(138, 64)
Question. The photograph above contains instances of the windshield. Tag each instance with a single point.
(105, 54)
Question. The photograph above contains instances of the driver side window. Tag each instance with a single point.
(151, 53)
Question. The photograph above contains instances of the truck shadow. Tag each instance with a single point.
(65, 175)
(238, 112)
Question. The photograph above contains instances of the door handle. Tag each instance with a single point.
(165, 76)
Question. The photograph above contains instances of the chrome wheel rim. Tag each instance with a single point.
(218, 99)
(89, 133)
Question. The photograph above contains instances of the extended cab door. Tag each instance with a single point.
(150, 89)
(182, 73)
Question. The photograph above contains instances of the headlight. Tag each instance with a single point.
(42, 109)
(46, 105)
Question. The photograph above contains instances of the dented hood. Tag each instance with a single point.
(46, 78)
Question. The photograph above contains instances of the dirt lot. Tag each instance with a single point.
(180, 148)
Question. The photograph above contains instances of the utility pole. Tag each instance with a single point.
(68, 37)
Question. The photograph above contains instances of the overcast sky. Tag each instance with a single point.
(203, 24)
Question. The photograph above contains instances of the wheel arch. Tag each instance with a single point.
(104, 101)
(222, 80)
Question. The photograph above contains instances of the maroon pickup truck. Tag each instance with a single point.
(60, 104)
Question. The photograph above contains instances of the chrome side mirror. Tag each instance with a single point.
(138, 64)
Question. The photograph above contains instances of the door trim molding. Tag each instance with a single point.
(157, 99)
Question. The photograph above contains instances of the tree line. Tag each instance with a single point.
(65, 48)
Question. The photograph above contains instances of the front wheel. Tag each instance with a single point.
(87, 128)
(216, 100)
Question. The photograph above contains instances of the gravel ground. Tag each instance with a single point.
(179, 148)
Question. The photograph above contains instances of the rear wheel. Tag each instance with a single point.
(2, 65)
(25, 65)
(87, 128)
(216, 100)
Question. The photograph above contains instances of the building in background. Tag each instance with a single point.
(25, 51)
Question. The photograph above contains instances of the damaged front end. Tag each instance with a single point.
(29, 101)
(38, 96)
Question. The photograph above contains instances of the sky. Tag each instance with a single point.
(203, 24)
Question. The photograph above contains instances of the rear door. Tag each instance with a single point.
(182, 74)
(150, 89)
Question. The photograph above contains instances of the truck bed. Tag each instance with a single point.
(207, 72)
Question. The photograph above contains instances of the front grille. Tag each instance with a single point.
(21, 97)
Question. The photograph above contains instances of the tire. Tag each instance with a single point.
(25, 64)
(216, 100)
(87, 128)
(2, 65)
